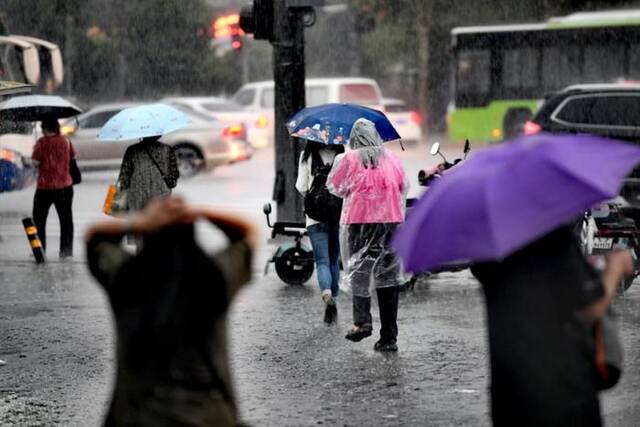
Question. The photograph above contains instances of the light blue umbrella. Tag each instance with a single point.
(143, 121)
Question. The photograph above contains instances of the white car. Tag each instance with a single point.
(259, 97)
(205, 143)
(230, 114)
(407, 122)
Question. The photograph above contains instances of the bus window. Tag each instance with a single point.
(603, 63)
(52, 70)
(560, 67)
(473, 76)
(520, 68)
(19, 60)
(634, 64)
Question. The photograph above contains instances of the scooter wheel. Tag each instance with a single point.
(294, 266)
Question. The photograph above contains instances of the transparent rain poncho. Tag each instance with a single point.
(373, 185)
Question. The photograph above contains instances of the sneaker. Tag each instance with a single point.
(330, 311)
(385, 346)
(358, 333)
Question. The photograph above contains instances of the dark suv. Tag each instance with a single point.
(611, 110)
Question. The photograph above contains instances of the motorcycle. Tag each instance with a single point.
(426, 179)
(611, 225)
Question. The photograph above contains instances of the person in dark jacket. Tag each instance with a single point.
(170, 303)
(541, 304)
(149, 169)
(52, 155)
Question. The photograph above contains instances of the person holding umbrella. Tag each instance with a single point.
(149, 168)
(322, 213)
(52, 155)
(506, 210)
(373, 185)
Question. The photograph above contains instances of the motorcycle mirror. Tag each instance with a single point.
(266, 208)
(435, 148)
(467, 148)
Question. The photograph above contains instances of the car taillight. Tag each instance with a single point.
(67, 129)
(262, 122)
(531, 127)
(234, 131)
(415, 117)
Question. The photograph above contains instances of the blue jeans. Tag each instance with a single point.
(326, 251)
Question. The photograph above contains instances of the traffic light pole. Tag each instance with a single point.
(289, 76)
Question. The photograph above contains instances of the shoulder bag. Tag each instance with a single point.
(164, 177)
(74, 170)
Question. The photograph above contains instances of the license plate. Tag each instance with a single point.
(602, 242)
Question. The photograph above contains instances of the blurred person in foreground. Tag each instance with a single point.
(542, 302)
(149, 169)
(372, 183)
(170, 303)
(323, 222)
(52, 155)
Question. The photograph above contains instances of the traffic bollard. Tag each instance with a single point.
(34, 240)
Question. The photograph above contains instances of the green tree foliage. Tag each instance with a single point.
(123, 49)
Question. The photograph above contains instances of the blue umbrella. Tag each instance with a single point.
(143, 121)
(332, 123)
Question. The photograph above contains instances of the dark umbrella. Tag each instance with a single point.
(32, 108)
(332, 123)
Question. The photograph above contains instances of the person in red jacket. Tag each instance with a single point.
(52, 155)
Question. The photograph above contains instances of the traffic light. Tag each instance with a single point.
(236, 37)
(257, 19)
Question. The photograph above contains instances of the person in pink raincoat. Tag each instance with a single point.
(372, 183)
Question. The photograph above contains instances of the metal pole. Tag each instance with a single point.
(289, 74)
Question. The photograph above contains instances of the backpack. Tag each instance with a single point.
(319, 204)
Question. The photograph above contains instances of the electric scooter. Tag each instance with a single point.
(425, 179)
(293, 261)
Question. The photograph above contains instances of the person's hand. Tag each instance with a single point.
(621, 263)
(160, 213)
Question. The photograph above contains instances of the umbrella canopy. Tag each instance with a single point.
(506, 197)
(11, 88)
(332, 123)
(143, 121)
(32, 108)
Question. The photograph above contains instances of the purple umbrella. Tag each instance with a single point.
(505, 197)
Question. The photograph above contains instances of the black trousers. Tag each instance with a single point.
(388, 305)
(380, 263)
(62, 200)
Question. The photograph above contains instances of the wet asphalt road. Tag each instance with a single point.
(56, 335)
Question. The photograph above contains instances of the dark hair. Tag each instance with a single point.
(50, 125)
(151, 138)
(312, 149)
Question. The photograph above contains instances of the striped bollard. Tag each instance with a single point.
(34, 240)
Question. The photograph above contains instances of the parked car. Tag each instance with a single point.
(406, 122)
(205, 144)
(230, 114)
(610, 110)
(258, 98)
